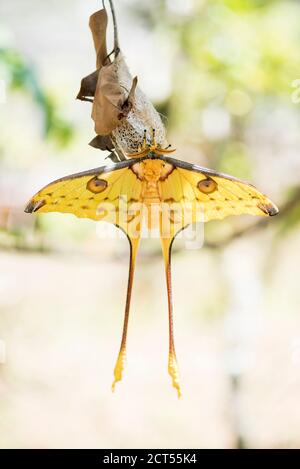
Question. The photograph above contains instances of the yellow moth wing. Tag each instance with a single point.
(94, 194)
(217, 195)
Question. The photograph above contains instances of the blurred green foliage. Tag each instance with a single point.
(21, 76)
(240, 56)
(234, 62)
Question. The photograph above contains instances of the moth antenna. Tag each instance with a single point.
(154, 145)
(121, 360)
(144, 144)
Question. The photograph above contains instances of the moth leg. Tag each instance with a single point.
(172, 361)
(121, 360)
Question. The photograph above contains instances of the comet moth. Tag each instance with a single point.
(143, 176)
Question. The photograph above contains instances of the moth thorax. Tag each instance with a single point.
(152, 170)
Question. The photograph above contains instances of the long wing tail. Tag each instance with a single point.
(166, 244)
(121, 360)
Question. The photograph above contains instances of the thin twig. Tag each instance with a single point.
(116, 39)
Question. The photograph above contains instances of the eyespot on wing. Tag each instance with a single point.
(96, 185)
(207, 186)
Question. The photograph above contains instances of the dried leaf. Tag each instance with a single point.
(103, 142)
(88, 87)
(112, 101)
(120, 109)
(128, 103)
(98, 26)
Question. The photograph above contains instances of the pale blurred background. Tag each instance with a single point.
(223, 73)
